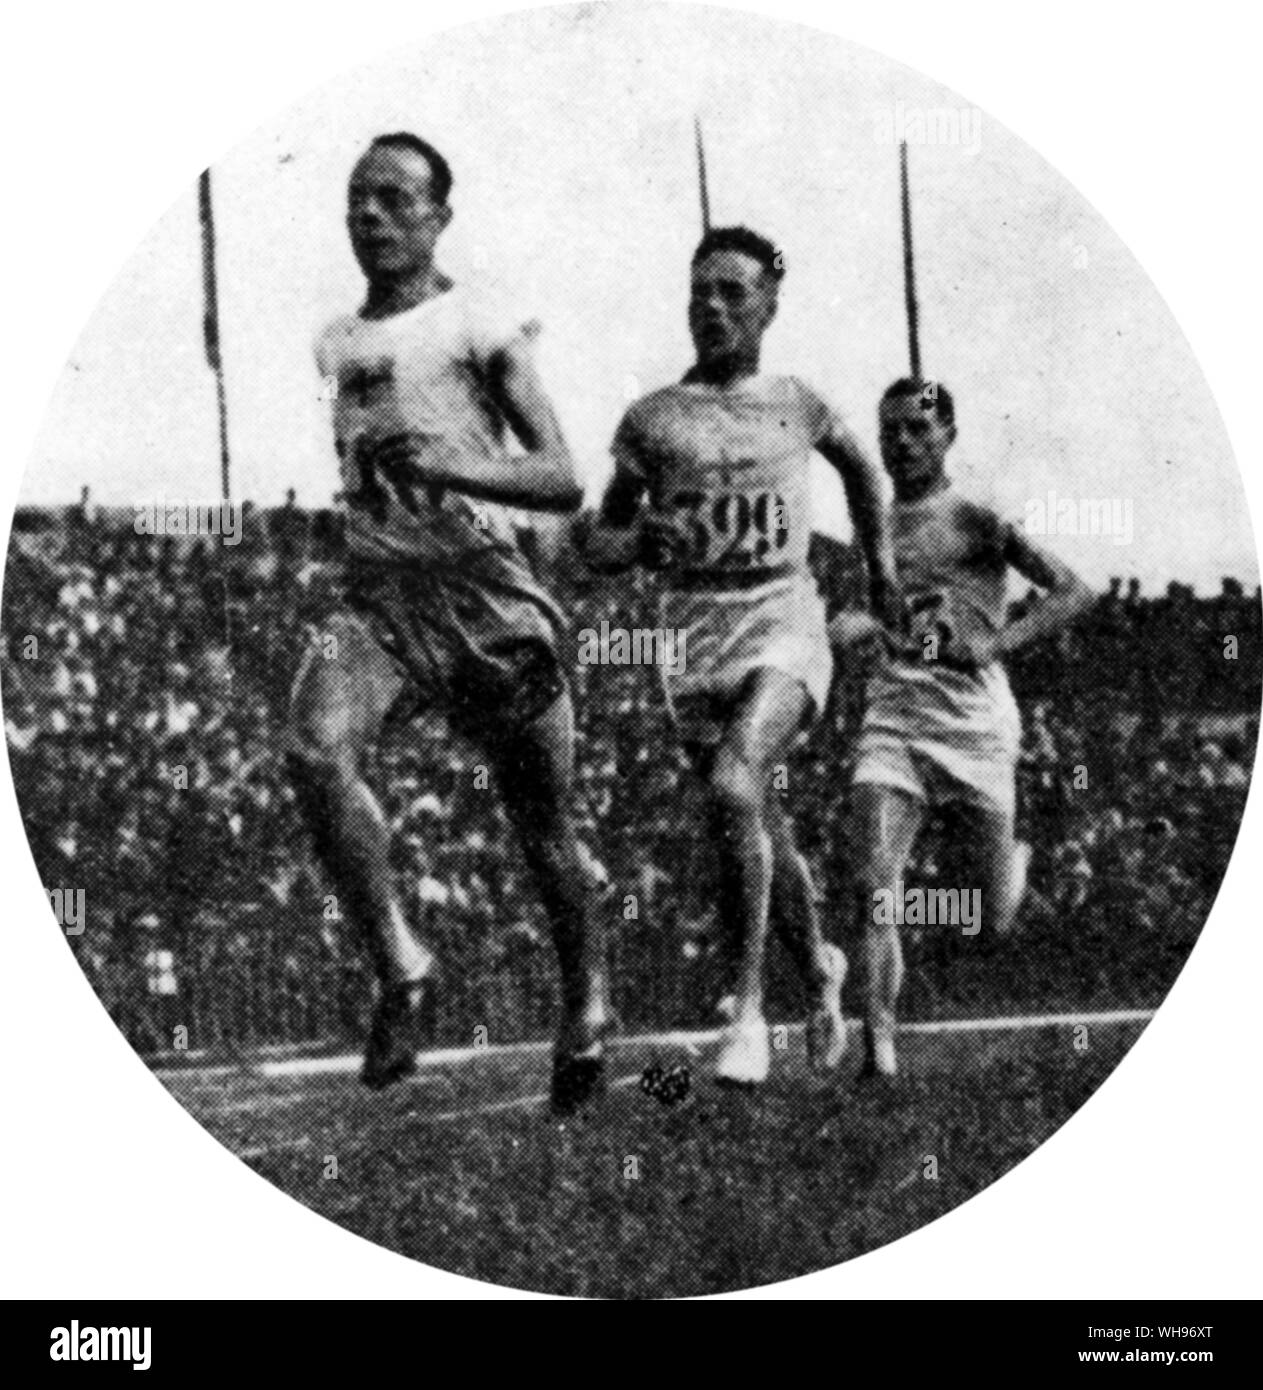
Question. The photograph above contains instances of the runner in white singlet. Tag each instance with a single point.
(941, 727)
(440, 609)
(711, 487)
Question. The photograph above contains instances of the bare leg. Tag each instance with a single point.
(338, 708)
(339, 704)
(796, 921)
(745, 880)
(887, 822)
(998, 866)
(766, 718)
(794, 916)
(535, 765)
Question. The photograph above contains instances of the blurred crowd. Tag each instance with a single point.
(145, 682)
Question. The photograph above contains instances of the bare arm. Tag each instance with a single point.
(542, 480)
(630, 528)
(610, 541)
(1066, 596)
(547, 473)
(868, 512)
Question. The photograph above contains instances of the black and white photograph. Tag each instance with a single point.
(632, 654)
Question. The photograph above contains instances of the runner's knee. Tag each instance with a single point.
(320, 752)
(734, 785)
(552, 851)
(876, 866)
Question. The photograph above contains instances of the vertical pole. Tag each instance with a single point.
(909, 268)
(210, 323)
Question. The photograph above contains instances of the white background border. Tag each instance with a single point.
(109, 1188)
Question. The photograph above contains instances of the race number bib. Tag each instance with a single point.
(735, 530)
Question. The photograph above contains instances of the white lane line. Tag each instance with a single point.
(303, 1142)
(262, 1049)
(496, 1107)
(457, 1056)
(268, 1101)
(1002, 1024)
(949, 1025)
(198, 1073)
(520, 1103)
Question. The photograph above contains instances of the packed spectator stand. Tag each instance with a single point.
(129, 656)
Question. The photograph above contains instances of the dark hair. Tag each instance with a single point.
(748, 243)
(440, 170)
(930, 393)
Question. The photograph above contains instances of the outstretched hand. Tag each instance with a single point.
(859, 637)
(400, 464)
(407, 453)
(665, 539)
(969, 651)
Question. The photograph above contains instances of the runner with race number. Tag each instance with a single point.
(712, 487)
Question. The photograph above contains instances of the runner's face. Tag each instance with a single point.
(393, 222)
(733, 300)
(914, 442)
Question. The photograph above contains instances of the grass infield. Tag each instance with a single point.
(463, 1168)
